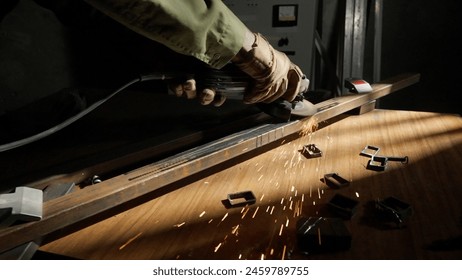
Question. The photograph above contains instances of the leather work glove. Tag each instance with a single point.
(275, 76)
(188, 89)
(272, 73)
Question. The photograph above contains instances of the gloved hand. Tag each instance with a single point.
(275, 76)
(188, 89)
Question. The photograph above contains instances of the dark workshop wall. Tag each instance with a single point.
(423, 36)
(49, 46)
(418, 36)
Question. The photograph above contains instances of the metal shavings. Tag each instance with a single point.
(284, 252)
(290, 206)
(282, 200)
(245, 213)
(292, 160)
(309, 126)
(271, 251)
(262, 257)
(268, 208)
(297, 209)
(261, 176)
(217, 247)
(280, 230)
(357, 194)
(262, 196)
(287, 222)
(180, 225)
(210, 221)
(224, 217)
(272, 209)
(130, 241)
(234, 230)
(202, 214)
(255, 213)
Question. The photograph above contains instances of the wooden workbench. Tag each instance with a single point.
(188, 220)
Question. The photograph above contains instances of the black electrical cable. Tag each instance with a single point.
(67, 122)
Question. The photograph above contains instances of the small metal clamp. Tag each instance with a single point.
(311, 151)
(343, 205)
(241, 198)
(357, 85)
(370, 151)
(377, 162)
(394, 209)
(334, 180)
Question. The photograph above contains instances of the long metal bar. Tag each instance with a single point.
(70, 209)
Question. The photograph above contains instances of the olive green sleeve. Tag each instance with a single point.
(205, 29)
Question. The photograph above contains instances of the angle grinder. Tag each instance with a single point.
(233, 83)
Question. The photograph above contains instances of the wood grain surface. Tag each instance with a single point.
(189, 220)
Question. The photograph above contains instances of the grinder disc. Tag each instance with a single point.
(304, 108)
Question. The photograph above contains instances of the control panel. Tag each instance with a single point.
(287, 24)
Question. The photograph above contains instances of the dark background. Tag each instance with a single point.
(41, 54)
(423, 36)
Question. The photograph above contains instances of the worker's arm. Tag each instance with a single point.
(209, 31)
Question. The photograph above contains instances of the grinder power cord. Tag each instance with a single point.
(229, 84)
